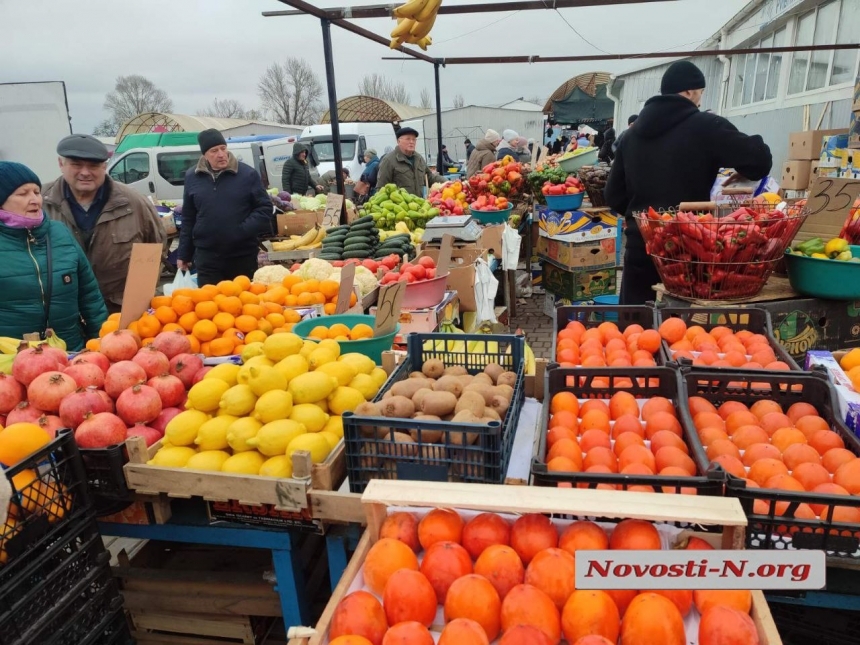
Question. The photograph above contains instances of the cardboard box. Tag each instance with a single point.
(168, 223)
(299, 222)
(813, 170)
(849, 399)
(806, 146)
(426, 321)
(579, 285)
(795, 175)
(834, 150)
(461, 273)
(598, 254)
(804, 324)
(537, 276)
(578, 226)
(491, 238)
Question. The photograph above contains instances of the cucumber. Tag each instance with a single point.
(359, 255)
(358, 246)
(357, 236)
(330, 256)
(363, 227)
(339, 236)
(334, 229)
(362, 220)
(393, 246)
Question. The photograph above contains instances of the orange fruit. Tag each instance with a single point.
(255, 336)
(234, 336)
(107, 327)
(673, 329)
(206, 310)
(166, 315)
(182, 304)
(148, 326)
(187, 321)
(649, 340)
(257, 289)
(231, 305)
(172, 327)
(245, 323)
(255, 311)
(205, 330)
(229, 288)
(160, 301)
(195, 344)
(361, 331)
(223, 321)
(248, 298)
(243, 282)
(265, 326)
(276, 320)
(220, 346)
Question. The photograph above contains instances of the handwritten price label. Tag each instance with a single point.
(833, 196)
(347, 280)
(388, 307)
(333, 205)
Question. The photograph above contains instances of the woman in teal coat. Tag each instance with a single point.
(45, 278)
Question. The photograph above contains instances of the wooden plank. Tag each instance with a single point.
(154, 638)
(331, 473)
(760, 613)
(220, 626)
(234, 583)
(337, 507)
(192, 603)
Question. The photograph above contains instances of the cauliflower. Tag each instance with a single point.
(272, 274)
(365, 280)
(315, 268)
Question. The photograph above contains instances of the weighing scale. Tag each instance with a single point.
(460, 227)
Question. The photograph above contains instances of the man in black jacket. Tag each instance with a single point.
(224, 210)
(673, 155)
(296, 174)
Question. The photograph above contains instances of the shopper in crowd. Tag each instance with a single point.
(328, 181)
(524, 155)
(47, 281)
(296, 174)
(630, 121)
(224, 210)
(469, 148)
(485, 153)
(673, 155)
(507, 146)
(582, 140)
(606, 155)
(443, 161)
(106, 217)
(371, 170)
(404, 168)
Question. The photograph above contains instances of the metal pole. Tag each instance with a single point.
(332, 111)
(436, 65)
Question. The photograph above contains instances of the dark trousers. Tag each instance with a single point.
(212, 267)
(639, 277)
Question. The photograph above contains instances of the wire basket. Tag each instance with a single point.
(724, 252)
(594, 178)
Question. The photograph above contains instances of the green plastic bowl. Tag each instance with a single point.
(822, 278)
(370, 347)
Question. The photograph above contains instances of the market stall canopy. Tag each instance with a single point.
(162, 122)
(369, 109)
(582, 99)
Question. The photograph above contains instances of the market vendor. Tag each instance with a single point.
(328, 181)
(673, 155)
(484, 154)
(47, 280)
(296, 174)
(404, 168)
(224, 210)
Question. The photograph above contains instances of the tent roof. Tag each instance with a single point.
(146, 121)
(369, 109)
(587, 83)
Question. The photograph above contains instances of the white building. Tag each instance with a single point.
(769, 94)
(520, 104)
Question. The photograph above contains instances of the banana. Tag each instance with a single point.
(320, 236)
(424, 43)
(531, 365)
(307, 238)
(395, 43)
(54, 341)
(410, 9)
(6, 361)
(403, 28)
(9, 345)
(308, 247)
(295, 237)
(428, 11)
(421, 29)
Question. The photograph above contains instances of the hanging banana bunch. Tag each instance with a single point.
(415, 20)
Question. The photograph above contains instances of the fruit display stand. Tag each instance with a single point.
(383, 497)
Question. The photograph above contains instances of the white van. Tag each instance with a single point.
(276, 152)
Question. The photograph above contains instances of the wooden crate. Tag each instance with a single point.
(609, 505)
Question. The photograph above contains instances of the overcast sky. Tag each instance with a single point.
(197, 50)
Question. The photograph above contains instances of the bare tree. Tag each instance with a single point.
(291, 92)
(459, 101)
(227, 109)
(536, 99)
(132, 95)
(425, 101)
(383, 88)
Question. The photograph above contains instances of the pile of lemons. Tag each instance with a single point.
(288, 395)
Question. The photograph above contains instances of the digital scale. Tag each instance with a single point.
(460, 227)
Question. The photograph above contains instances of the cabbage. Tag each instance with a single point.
(349, 204)
(321, 198)
(284, 196)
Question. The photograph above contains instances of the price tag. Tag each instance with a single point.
(443, 265)
(144, 267)
(333, 206)
(833, 196)
(347, 279)
(388, 307)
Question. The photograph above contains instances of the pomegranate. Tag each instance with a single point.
(122, 376)
(153, 362)
(32, 362)
(161, 421)
(150, 435)
(50, 424)
(139, 404)
(100, 431)
(86, 374)
(172, 343)
(75, 407)
(111, 407)
(120, 345)
(185, 366)
(23, 413)
(47, 390)
(11, 393)
(96, 358)
(61, 357)
(169, 388)
(200, 374)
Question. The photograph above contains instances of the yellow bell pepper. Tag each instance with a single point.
(835, 246)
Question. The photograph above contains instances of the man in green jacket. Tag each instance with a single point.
(404, 168)
(296, 174)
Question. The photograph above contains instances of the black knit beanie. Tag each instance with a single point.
(681, 76)
(209, 139)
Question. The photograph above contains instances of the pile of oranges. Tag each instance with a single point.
(606, 346)
(719, 347)
(341, 332)
(791, 450)
(615, 435)
(220, 320)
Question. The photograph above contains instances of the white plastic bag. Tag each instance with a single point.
(486, 287)
(183, 280)
(511, 241)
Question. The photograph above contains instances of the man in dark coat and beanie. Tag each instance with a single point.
(673, 155)
(224, 210)
(296, 174)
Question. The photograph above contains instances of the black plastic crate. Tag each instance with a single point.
(87, 615)
(593, 315)
(804, 624)
(49, 494)
(775, 525)
(34, 592)
(452, 457)
(106, 478)
(643, 383)
(754, 319)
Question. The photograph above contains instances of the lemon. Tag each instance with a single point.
(321, 356)
(273, 438)
(332, 345)
(343, 372)
(334, 425)
(244, 374)
(293, 366)
(280, 466)
(313, 443)
(322, 405)
(309, 416)
(251, 350)
(244, 463)
(278, 346)
(307, 348)
(344, 399)
(182, 429)
(365, 384)
(240, 431)
(226, 372)
(362, 363)
(379, 376)
(208, 460)
(331, 438)
(238, 401)
(213, 434)
(265, 379)
(310, 387)
(273, 406)
(172, 456)
(206, 394)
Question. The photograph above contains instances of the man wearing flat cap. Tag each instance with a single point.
(404, 168)
(673, 155)
(224, 210)
(105, 216)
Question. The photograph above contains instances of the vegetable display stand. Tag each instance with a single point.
(594, 315)
(384, 497)
(492, 217)
(779, 518)
(370, 347)
(824, 278)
